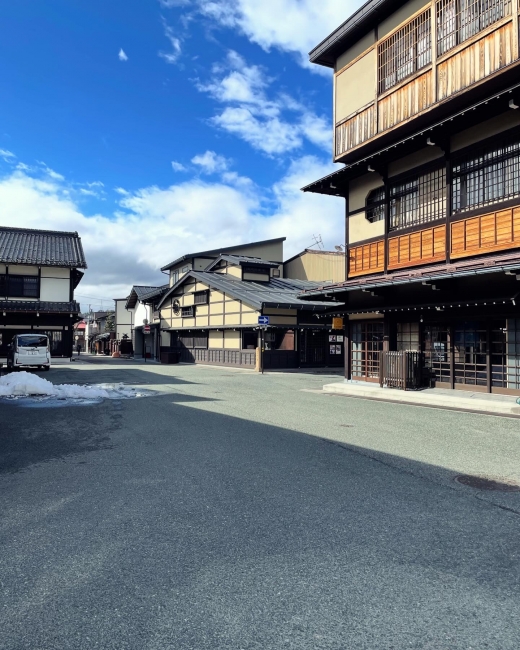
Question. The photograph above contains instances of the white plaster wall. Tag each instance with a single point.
(55, 290)
(55, 272)
(21, 269)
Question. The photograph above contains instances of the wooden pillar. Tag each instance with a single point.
(451, 353)
(346, 232)
(488, 357)
(433, 29)
(387, 218)
(347, 349)
(514, 39)
(449, 201)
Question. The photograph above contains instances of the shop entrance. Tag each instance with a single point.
(475, 355)
(367, 345)
(321, 348)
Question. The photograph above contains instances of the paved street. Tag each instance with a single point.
(234, 510)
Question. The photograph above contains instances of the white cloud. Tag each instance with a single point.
(210, 162)
(50, 172)
(8, 156)
(178, 167)
(274, 124)
(154, 225)
(122, 191)
(122, 55)
(169, 4)
(295, 26)
(174, 54)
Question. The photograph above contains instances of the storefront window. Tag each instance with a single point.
(408, 337)
(249, 339)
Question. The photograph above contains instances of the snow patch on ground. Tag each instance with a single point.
(25, 384)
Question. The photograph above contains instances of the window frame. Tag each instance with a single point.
(201, 294)
(459, 20)
(375, 206)
(188, 311)
(405, 52)
(407, 200)
(472, 168)
(7, 282)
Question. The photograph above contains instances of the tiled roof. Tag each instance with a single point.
(142, 291)
(278, 292)
(45, 247)
(138, 293)
(157, 291)
(37, 306)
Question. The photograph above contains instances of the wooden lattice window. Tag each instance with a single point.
(201, 297)
(488, 175)
(188, 312)
(404, 52)
(375, 205)
(418, 199)
(458, 20)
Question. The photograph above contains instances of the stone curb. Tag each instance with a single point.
(427, 400)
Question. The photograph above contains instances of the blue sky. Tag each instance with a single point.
(158, 127)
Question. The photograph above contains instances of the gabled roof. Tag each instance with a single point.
(137, 293)
(278, 292)
(153, 294)
(240, 260)
(41, 247)
(218, 251)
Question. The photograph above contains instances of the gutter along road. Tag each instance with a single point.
(215, 515)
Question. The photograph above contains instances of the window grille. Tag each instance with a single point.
(200, 341)
(375, 206)
(201, 297)
(458, 20)
(408, 337)
(418, 200)
(406, 51)
(187, 312)
(19, 286)
(487, 176)
(186, 341)
(255, 268)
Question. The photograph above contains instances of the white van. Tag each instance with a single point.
(29, 350)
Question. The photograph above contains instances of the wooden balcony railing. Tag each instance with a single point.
(469, 54)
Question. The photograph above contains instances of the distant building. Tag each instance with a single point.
(39, 271)
(238, 303)
(316, 266)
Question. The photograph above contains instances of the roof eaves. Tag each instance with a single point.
(222, 250)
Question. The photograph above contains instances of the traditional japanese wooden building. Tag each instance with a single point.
(238, 304)
(427, 126)
(39, 271)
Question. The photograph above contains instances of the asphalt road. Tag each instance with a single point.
(217, 515)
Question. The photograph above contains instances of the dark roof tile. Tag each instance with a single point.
(42, 247)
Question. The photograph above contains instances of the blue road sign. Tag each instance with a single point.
(263, 320)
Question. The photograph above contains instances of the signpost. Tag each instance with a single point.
(263, 320)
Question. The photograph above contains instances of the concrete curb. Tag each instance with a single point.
(455, 402)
